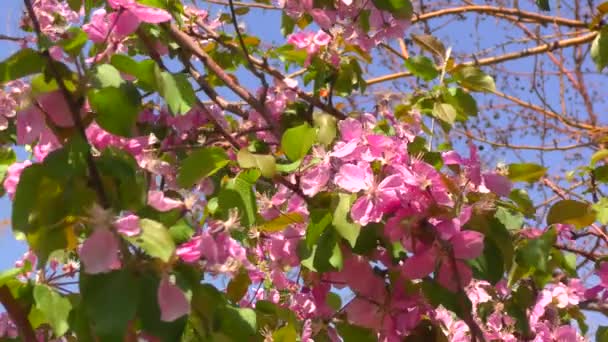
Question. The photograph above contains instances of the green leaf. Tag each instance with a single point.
(431, 44)
(348, 230)
(7, 158)
(444, 112)
(401, 9)
(238, 194)
(106, 75)
(117, 108)
(181, 232)
(55, 308)
(75, 5)
(354, 333)
(285, 334)
(601, 335)
(240, 324)
(475, 79)
(579, 214)
(512, 221)
(280, 223)
(327, 128)
(110, 302)
(154, 239)
(319, 220)
(176, 90)
(200, 164)
(324, 256)
(543, 5)
(143, 70)
(23, 63)
(126, 186)
(601, 210)
(599, 49)
(535, 252)
(523, 201)
(526, 172)
(489, 265)
(599, 155)
(422, 67)
(462, 101)
(601, 173)
(237, 287)
(266, 163)
(75, 41)
(297, 141)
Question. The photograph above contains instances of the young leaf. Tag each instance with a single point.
(422, 67)
(475, 79)
(445, 112)
(348, 230)
(297, 141)
(55, 308)
(599, 49)
(526, 172)
(281, 222)
(23, 63)
(117, 108)
(200, 164)
(573, 212)
(176, 90)
(154, 239)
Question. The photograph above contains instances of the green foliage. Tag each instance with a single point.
(353, 333)
(265, 163)
(201, 163)
(526, 172)
(53, 307)
(154, 239)
(117, 108)
(348, 230)
(238, 193)
(23, 63)
(422, 67)
(297, 141)
(110, 301)
(176, 90)
(599, 49)
(474, 79)
(573, 212)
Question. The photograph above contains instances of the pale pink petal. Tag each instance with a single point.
(452, 158)
(419, 265)
(172, 301)
(365, 210)
(158, 201)
(125, 23)
(350, 129)
(151, 15)
(322, 38)
(128, 225)
(467, 244)
(99, 253)
(354, 178)
(315, 179)
(97, 28)
(497, 183)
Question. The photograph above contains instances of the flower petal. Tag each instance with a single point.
(99, 253)
(172, 301)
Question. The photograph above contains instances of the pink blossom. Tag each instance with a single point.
(172, 301)
(12, 177)
(128, 225)
(99, 252)
(158, 201)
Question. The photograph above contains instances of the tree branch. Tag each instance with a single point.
(18, 314)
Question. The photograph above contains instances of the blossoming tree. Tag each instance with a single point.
(165, 198)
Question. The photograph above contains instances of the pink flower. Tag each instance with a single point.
(311, 42)
(465, 245)
(158, 201)
(368, 208)
(99, 252)
(12, 177)
(128, 225)
(172, 301)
